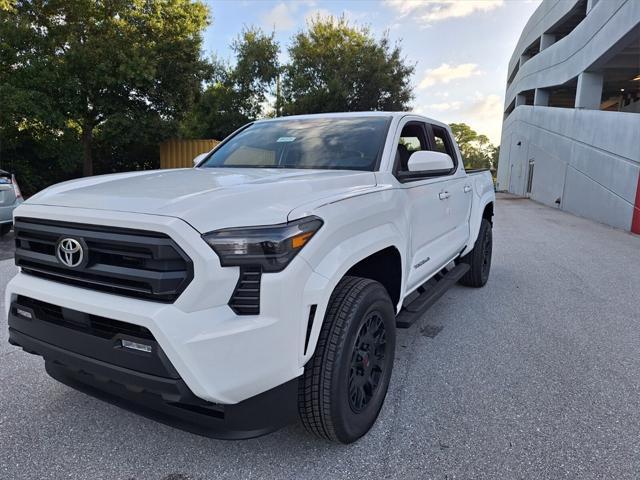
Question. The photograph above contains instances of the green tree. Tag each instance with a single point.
(256, 70)
(238, 92)
(476, 149)
(87, 66)
(495, 157)
(339, 67)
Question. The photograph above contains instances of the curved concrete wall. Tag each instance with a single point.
(546, 15)
(607, 23)
(589, 160)
(584, 161)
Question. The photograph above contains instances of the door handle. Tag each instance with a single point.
(444, 195)
(467, 188)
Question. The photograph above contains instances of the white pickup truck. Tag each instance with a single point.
(262, 285)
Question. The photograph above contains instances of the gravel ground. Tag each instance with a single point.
(537, 375)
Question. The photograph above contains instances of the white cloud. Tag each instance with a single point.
(446, 73)
(321, 13)
(481, 112)
(349, 15)
(437, 10)
(285, 15)
(485, 115)
(353, 16)
(280, 17)
(443, 106)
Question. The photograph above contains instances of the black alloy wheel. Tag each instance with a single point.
(367, 362)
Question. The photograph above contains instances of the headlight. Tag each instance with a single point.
(270, 247)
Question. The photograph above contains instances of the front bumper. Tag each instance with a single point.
(86, 353)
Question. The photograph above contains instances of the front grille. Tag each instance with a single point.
(246, 296)
(135, 263)
(84, 322)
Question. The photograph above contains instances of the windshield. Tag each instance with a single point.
(326, 143)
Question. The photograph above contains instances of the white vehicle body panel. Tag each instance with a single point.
(224, 357)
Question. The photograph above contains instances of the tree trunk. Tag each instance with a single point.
(87, 140)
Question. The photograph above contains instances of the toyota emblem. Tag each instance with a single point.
(70, 252)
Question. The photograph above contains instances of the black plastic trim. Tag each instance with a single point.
(245, 299)
(91, 336)
(404, 177)
(312, 316)
(428, 294)
(165, 399)
(122, 261)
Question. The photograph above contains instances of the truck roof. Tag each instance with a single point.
(394, 115)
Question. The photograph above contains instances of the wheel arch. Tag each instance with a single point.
(483, 208)
(355, 257)
(487, 213)
(383, 266)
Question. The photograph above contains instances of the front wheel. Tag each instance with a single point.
(345, 382)
(479, 259)
(4, 229)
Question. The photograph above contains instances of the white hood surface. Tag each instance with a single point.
(207, 198)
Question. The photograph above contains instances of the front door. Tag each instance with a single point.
(427, 202)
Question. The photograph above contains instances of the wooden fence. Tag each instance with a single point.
(180, 153)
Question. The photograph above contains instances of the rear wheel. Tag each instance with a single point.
(4, 229)
(345, 382)
(479, 259)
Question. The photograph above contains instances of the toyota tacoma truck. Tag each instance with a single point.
(262, 285)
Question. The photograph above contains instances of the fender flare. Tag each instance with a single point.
(477, 213)
(337, 263)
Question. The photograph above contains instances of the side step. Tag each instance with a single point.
(429, 293)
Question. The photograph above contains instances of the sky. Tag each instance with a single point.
(461, 48)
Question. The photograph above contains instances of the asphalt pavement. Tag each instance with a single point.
(537, 375)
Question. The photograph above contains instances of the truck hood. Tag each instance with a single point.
(207, 198)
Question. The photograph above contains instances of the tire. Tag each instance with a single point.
(479, 259)
(344, 383)
(4, 229)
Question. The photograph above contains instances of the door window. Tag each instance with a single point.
(442, 143)
(413, 138)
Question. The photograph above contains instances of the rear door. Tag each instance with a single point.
(459, 192)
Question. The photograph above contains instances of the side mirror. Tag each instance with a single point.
(199, 158)
(428, 161)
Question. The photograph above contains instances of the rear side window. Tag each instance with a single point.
(442, 143)
(439, 145)
(416, 136)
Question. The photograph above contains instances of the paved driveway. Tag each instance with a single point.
(535, 376)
